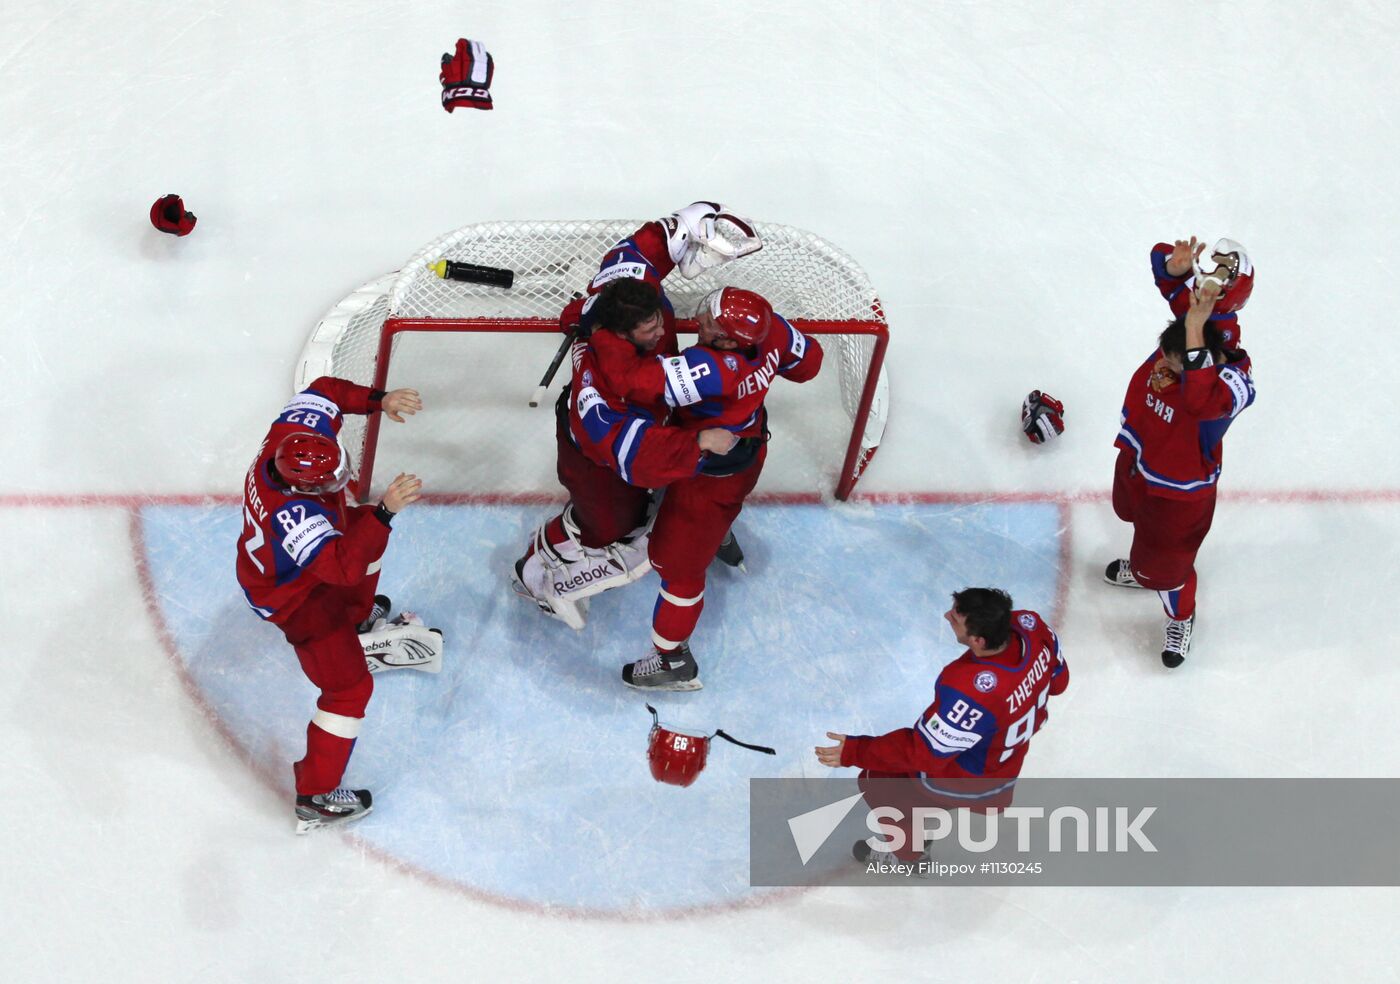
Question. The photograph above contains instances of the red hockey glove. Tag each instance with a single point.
(168, 215)
(466, 76)
(571, 316)
(1042, 417)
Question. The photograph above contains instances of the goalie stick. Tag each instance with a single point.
(548, 376)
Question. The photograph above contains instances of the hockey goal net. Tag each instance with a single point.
(476, 353)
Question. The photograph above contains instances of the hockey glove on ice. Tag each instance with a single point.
(1042, 417)
(466, 76)
(168, 215)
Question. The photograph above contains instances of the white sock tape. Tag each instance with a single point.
(337, 724)
(682, 602)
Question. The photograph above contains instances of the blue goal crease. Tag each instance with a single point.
(520, 770)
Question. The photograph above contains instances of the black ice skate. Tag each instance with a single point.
(730, 553)
(676, 670)
(1120, 572)
(1176, 644)
(382, 606)
(867, 855)
(332, 809)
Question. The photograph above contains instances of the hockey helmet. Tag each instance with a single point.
(1228, 265)
(312, 463)
(740, 315)
(678, 757)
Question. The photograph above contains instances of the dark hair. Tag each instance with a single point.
(987, 612)
(624, 304)
(1173, 339)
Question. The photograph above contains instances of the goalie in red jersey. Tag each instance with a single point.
(612, 451)
(967, 748)
(308, 561)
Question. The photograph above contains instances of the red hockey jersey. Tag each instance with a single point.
(983, 715)
(627, 436)
(1178, 290)
(1176, 425)
(291, 541)
(712, 388)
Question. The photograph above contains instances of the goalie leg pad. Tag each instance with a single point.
(564, 574)
(405, 643)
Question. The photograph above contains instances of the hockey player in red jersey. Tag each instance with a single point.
(308, 561)
(1179, 404)
(967, 748)
(1178, 267)
(720, 382)
(610, 452)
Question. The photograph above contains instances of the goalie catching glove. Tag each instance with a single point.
(704, 235)
(1042, 417)
(466, 76)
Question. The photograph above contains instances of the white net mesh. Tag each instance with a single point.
(805, 278)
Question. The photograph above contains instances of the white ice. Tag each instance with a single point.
(1000, 169)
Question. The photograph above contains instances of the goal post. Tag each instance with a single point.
(811, 283)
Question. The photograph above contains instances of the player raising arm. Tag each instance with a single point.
(1179, 404)
(1180, 267)
(308, 561)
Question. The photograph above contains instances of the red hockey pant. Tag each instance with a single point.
(1167, 533)
(905, 791)
(605, 507)
(322, 630)
(694, 516)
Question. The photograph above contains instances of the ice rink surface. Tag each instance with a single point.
(999, 169)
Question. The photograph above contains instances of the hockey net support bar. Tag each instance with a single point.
(858, 455)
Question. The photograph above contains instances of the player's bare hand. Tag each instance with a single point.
(717, 440)
(1205, 296)
(403, 491)
(398, 402)
(1183, 252)
(831, 754)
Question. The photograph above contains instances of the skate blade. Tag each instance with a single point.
(679, 686)
(321, 823)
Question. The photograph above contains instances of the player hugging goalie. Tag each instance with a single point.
(640, 415)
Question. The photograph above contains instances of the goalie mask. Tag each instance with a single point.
(312, 463)
(678, 757)
(1227, 264)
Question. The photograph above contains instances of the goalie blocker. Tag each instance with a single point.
(406, 643)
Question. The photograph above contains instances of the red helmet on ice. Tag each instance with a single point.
(1228, 265)
(677, 757)
(740, 315)
(312, 463)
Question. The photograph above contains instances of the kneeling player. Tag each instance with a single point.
(967, 748)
